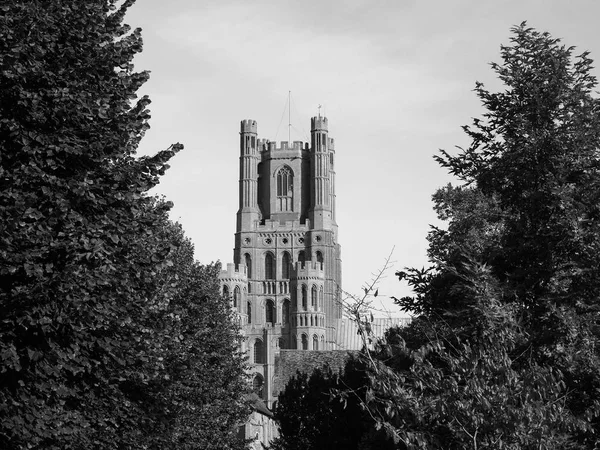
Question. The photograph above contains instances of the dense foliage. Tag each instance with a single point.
(111, 336)
(312, 416)
(504, 348)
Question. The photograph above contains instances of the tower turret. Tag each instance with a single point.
(320, 213)
(248, 212)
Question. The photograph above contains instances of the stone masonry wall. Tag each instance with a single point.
(288, 362)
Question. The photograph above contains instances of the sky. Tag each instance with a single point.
(395, 79)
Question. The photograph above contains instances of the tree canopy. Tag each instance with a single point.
(503, 348)
(111, 335)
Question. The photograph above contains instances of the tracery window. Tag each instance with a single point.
(285, 189)
(315, 342)
(226, 292)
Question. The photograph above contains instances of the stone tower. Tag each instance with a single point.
(285, 281)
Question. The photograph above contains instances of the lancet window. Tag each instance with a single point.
(285, 189)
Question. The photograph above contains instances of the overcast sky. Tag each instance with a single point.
(395, 79)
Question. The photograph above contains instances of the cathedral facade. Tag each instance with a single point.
(285, 279)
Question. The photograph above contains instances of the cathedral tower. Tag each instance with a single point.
(285, 281)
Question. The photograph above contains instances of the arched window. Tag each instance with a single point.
(313, 297)
(248, 262)
(286, 312)
(270, 311)
(285, 266)
(285, 189)
(304, 299)
(269, 267)
(236, 296)
(282, 343)
(320, 259)
(226, 292)
(258, 352)
(315, 342)
(304, 342)
(301, 258)
(321, 298)
(257, 385)
(249, 311)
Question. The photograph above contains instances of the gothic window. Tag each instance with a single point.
(320, 259)
(257, 385)
(285, 266)
(282, 343)
(269, 266)
(301, 258)
(226, 292)
(248, 262)
(286, 312)
(313, 297)
(285, 189)
(236, 296)
(270, 311)
(258, 352)
(304, 342)
(315, 342)
(249, 310)
(304, 299)
(321, 298)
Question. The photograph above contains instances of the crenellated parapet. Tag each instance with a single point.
(318, 123)
(249, 126)
(234, 273)
(309, 270)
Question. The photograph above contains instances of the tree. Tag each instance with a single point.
(504, 351)
(203, 359)
(89, 315)
(535, 153)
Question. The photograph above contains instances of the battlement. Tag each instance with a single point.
(232, 272)
(249, 126)
(318, 124)
(267, 145)
(310, 269)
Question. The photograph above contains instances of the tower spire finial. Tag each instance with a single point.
(319, 108)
